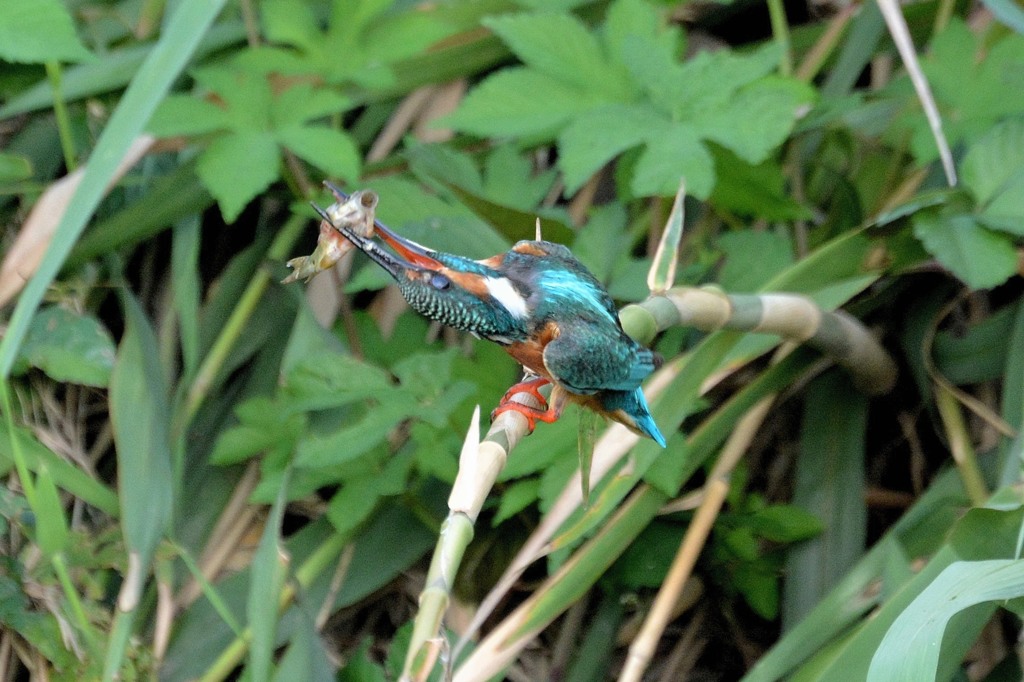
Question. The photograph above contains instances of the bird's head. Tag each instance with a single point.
(466, 294)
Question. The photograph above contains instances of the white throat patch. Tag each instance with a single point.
(501, 289)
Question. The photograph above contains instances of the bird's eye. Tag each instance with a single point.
(439, 281)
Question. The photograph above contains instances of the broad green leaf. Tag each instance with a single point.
(140, 413)
(677, 154)
(752, 258)
(360, 668)
(635, 19)
(560, 46)
(757, 119)
(911, 647)
(265, 428)
(302, 103)
(330, 150)
(353, 504)
(755, 190)
(35, 31)
(994, 160)
(515, 498)
(510, 179)
(656, 70)
(187, 115)
(328, 380)
(448, 166)
(975, 83)
(305, 658)
(68, 347)
(352, 441)
(289, 21)
(246, 95)
(706, 83)
(994, 171)
(648, 559)
(593, 138)
(785, 523)
(221, 164)
(14, 167)
(978, 256)
(519, 101)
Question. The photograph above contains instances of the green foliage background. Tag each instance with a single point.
(205, 480)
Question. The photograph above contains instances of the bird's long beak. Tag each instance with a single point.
(411, 256)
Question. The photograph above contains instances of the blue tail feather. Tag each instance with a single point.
(633, 406)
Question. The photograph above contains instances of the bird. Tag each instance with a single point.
(539, 303)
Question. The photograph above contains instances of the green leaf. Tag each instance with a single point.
(755, 190)
(994, 160)
(785, 523)
(14, 167)
(978, 256)
(331, 379)
(187, 115)
(265, 428)
(911, 647)
(757, 119)
(560, 46)
(638, 20)
(678, 153)
(752, 258)
(509, 179)
(515, 498)
(302, 103)
(51, 526)
(269, 570)
(36, 31)
(290, 22)
(360, 668)
(187, 287)
(352, 441)
(246, 95)
(994, 171)
(330, 150)
(706, 83)
(595, 137)
(305, 658)
(829, 488)
(68, 347)
(359, 497)
(140, 413)
(220, 168)
(518, 101)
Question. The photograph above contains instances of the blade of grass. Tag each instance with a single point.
(140, 414)
(269, 570)
(184, 31)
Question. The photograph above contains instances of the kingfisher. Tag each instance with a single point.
(542, 306)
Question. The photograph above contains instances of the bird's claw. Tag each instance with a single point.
(530, 387)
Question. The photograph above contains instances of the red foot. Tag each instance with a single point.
(532, 414)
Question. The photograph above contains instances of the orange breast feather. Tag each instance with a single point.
(530, 353)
